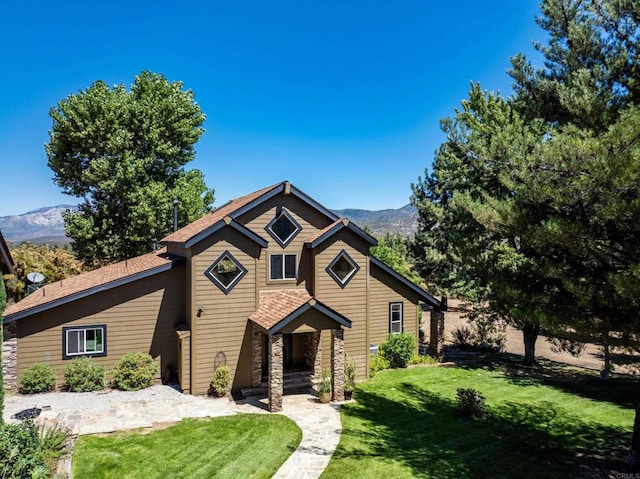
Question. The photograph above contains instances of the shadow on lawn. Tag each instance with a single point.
(621, 389)
(425, 432)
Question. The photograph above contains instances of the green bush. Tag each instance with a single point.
(29, 451)
(83, 375)
(470, 402)
(350, 372)
(398, 349)
(221, 382)
(39, 378)
(423, 359)
(134, 371)
(377, 363)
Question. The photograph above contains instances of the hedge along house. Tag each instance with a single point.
(269, 284)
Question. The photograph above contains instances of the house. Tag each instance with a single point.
(269, 283)
(6, 261)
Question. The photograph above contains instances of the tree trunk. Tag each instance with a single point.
(633, 459)
(530, 333)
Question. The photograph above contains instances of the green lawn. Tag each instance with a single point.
(542, 423)
(240, 446)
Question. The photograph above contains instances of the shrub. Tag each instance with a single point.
(39, 378)
(463, 337)
(134, 371)
(83, 375)
(221, 382)
(30, 451)
(377, 363)
(350, 372)
(398, 349)
(423, 359)
(470, 402)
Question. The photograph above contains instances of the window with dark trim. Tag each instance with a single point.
(283, 266)
(84, 341)
(225, 272)
(396, 318)
(343, 268)
(283, 228)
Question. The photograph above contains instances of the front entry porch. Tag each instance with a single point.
(287, 333)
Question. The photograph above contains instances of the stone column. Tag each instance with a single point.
(257, 340)
(10, 356)
(313, 353)
(276, 372)
(337, 364)
(436, 334)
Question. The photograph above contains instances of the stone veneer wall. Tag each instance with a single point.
(313, 353)
(276, 372)
(337, 363)
(257, 340)
(10, 357)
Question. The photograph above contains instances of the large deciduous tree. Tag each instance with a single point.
(124, 151)
(55, 264)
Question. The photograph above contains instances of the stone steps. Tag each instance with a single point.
(299, 381)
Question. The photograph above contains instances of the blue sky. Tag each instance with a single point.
(343, 98)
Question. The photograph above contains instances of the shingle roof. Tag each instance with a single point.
(87, 283)
(187, 232)
(327, 232)
(279, 308)
(277, 305)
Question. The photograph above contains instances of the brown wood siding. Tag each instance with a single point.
(139, 316)
(223, 325)
(350, 301)
(311, 222)
(384, 290)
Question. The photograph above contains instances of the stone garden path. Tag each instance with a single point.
(103, 412)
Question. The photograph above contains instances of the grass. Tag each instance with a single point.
(541, 423)
(244, 445)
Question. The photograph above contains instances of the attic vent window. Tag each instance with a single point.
(343, 268)
(225, 272)
(283, 228)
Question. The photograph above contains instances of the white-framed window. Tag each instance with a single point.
(84, 341)
(395, 318)
(283, 266)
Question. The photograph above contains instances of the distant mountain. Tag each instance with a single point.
(40, 226)
(45, 225)
(402, 221)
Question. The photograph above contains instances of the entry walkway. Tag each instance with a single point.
(103, 412)
(321, 428)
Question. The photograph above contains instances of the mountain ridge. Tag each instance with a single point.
(45, 225)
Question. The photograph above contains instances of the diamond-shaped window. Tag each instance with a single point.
(343, 268)
(225, 272)
(283, 228)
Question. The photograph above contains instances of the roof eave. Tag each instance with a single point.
(426, 297)
(311, 304)
(350, 226)
(88, 292)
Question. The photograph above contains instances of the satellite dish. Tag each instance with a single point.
(35, 277)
